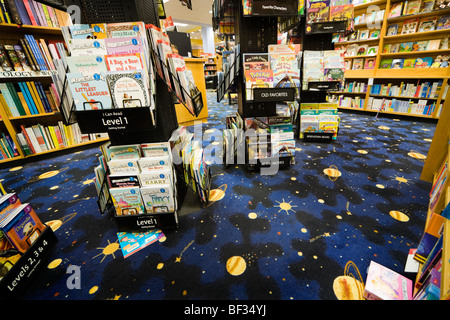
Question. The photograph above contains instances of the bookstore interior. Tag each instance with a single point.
(300, 151)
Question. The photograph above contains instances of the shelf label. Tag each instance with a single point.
(273, 94)
(24, 74)
(115, 120)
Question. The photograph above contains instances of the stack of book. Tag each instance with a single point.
(139, 178)
(30, 12)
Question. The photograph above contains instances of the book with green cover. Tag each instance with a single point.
(385, 63)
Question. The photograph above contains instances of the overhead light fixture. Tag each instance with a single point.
(165, 1)
(180, 24)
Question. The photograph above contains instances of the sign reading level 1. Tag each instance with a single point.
(114, 120)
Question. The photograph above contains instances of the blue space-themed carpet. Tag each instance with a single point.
(306, 233)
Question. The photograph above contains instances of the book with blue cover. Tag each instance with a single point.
(89, 92)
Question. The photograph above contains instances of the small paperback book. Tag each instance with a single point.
(127, 201)
(123, 167)
(86, 65)
(385, 63)
(117, 152)
(410, 26)
(87, 47)
(406, 46)
(150, 164)
(409, 63)
(427, 24)
(132, 242)
(128, 89)
(124, 62)
(158, 199)
(89, 92)
(156, 178)
(425, 62)
(397, 64)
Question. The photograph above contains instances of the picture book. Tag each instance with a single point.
(348, 64)
(434, 44)
(279, 49)
(369, 63)
(22, 227)
(397, 64)
(130, 151)
(257, 79)
(394, 48)
(86, 65)
(324, 10)
(443, 22)
(87, 47)
(156, 178)
(125, 29)
(364, 34)
(127, 200)
(358, 64)
(342, 12)
(98, 30)
(423, 62)
(256, 61)
(419, 46)
(122, 181)
(427, 6)
(124, 45)
(123, 167)
(396, 10)
(124, 62)
(149, 164)
(351, 50)
(385, 284)
(285, 70)
(374, 34)
(128, 89)
(372, 51)
(158, 198)
(413, 7)
(362, 50)
(132, 242)
(89, 92)
(409, 63)
(392, 30)
(410, 26)
(427, 24)
(386, 48)
(405, 46)
(334, 74)
(429, 237)
(15, 62)
(156, 149)
(385, 63)
(80, 31)
(8, 203)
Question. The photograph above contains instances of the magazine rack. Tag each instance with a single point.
(229, 79)
(23, 271)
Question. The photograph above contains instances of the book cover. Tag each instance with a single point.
(374, 34)
(372, 51)
(405, 46)
(98, 30)
(122, 181)
(413, 7)
(410, 26)
(419, 45)
(127, 200)
(130, 151)
(385, 284)
(443, 22)
(285, 70)
(394, 48)
(149, 164)
(156, 149)
(397, 64)
(256, 61)
(158, 198)
(396, 10)
(364, 34)
(334, 74)
(409, 63)
(155, 178)
(132, 242)
(427, 24)
(425, 62)
(124, 45)
(392, 30)
(434, 44)
(386, 48)
(90, 92)
(429, 238)
(257, 79)
(87, 47)
(385, 63)
(80, 31)
(128, 89)
(427, 5)
(4, 60)
(123, 167)
(20, 53)
(15, 62)
(86, 65)
(22, 227)
(342, 12)
(370, 63)
(124, 62)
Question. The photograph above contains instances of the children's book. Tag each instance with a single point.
(124, 62)
(369, 63)
(429, 238)
(434, 44)
(132, 242)
(257, 79)
(87, 47)
(285, 66)
(80, 31)
(86, 65)
(123, 167)
(397, 64)
(362, 50)
(158, 198)
(129, 151)
(385, 63)
(127, 200)
(124, 45)
(374, 34)
(396, 10)
(427, 24)
(443, 22)
(256, 61)
(89, 92)
(151, 164)
(385, 284)
(405, 46)
(342, 12)
(334, 74)
(98, 30)
(372, 51)
(410, 26)
(413, 7)
(392, 30)
(423, 62)
(351, 50)
(358, 64)
(156, 178)
(409, 63)
(394, 48)
(156, 149)
(420, 46)
(364, 34)
(427, 6)
(386, 48)
(128, 89)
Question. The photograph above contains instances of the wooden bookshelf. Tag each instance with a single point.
(397, 75)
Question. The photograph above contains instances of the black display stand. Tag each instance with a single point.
(23, 271)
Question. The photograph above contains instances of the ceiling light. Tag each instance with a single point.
(180, 24)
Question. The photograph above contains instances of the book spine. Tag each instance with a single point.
(37, 14)
(42, 95)
(23, 144)
(47, 54)
(35, 97)
(15, 17)
(36, 51)
(31, 56)
(8, 99)
(13, 57)
(5, 12)
(26, 97)
(27, 138)
(31, 15)
(22, 12)
(15, 97)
